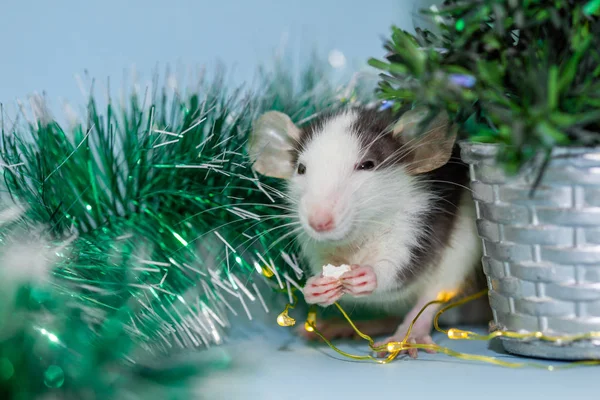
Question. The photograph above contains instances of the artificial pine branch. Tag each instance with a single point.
(524, 74)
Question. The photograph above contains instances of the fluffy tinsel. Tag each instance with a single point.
(135, 232)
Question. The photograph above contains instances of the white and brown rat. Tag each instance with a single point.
(369, 191)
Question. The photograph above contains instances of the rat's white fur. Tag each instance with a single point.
(378, 216)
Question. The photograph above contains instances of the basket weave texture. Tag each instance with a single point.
(541, 252)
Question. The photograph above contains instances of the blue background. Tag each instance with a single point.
(45, 44)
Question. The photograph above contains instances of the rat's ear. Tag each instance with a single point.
(429, 147)
(271, 143)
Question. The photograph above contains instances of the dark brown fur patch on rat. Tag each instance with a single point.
(373, 128)
(448, 184)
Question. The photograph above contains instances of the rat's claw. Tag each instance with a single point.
(360, 281)
(323, 291)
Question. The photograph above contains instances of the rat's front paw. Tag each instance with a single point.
(359, 281)
(322, 290)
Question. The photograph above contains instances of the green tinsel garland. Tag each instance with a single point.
(132, 235)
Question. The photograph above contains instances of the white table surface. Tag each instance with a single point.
(269, 362)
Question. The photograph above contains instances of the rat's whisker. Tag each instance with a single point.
(263, 233)
(448, 183)
(368, 221)
(385, 131)
(292, 232)
(211, 231)
(277, 206)
(403, 151)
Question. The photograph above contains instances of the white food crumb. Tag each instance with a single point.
(335, 271)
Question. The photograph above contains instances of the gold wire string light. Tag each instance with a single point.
(395, 348)
(459, 334)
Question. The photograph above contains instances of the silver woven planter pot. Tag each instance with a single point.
(541, 254)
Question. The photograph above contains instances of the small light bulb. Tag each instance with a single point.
(281, 320)
(457, 334)
(445, 295)
(284, 319)
(311, 321)
(267, 272)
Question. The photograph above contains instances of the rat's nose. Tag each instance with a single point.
(321, 220)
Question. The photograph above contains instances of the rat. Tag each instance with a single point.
(385, 194)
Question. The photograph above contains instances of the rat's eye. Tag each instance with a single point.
(301, 169)
(366, 165)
